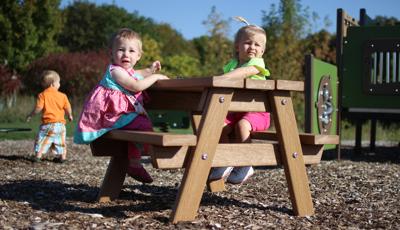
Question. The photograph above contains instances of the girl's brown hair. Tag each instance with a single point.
(126, 33)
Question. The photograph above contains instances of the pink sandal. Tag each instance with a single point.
(139, 174)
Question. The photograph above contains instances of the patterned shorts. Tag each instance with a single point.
(51, 135)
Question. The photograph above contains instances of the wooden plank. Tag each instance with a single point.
(199, 163)
(289, 85)
(199, 83)
(169, 157)
(305, 138)
(249, 101)
(257, 84)
(291, 152)
(154, 138)
(255, 154)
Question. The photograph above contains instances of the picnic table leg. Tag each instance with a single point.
(116, 170)
(292, 155)
(114, 179)
(200, 160)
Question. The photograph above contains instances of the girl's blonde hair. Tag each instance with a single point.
(247, 31)
(49, 77)
(126, 33)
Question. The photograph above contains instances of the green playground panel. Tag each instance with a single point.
(353, 95)
(318, 71)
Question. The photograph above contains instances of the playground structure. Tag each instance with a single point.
(366, 85)
(369, 73)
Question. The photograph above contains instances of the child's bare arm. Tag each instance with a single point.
(152, 69)
(133, 85)
(68, 111)
(35, 111)
(242, 72)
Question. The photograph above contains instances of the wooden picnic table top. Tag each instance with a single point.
(198, 84)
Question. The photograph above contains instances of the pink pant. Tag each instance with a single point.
(140, 123)
(258, 121)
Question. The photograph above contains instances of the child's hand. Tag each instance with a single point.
(71, 118)
(162, 77)
(155, 67)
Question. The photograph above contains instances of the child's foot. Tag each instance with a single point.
(36, 159)
(240, 174)
(219, 173)
(59, 160)
(140, 174)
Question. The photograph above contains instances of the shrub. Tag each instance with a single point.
(79, 72)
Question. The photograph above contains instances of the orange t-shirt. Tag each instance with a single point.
(54, 104)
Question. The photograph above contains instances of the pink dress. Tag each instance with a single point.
(109, 106)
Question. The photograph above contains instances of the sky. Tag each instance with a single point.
(187, 16)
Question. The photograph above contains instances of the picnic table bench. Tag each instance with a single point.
(208, 100)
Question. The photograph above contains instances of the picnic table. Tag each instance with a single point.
(208, 100)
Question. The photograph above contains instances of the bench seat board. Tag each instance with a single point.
(153, 138)
(305, 138)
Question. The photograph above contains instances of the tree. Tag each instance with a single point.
(285, 29)
(89, 27)
(172, 42)
(215, 49)
(385, 21)
(28, 30)
(322, 45)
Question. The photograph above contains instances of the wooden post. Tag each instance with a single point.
(200, 160)
(291, 152)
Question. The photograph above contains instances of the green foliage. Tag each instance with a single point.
(216, 49)
(215, 24)
(151, 52)
(89, 27)
(322, 45)
(214, 52)
(182, 66)
(28, 30)
(171, 42)
(285, 28)
(386, 21)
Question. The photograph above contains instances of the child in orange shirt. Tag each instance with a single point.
(53, 105)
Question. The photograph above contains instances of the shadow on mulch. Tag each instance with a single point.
(380, 154)
(25, 159)
(54, 196)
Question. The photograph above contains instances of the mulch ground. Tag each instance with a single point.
(357, 192)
